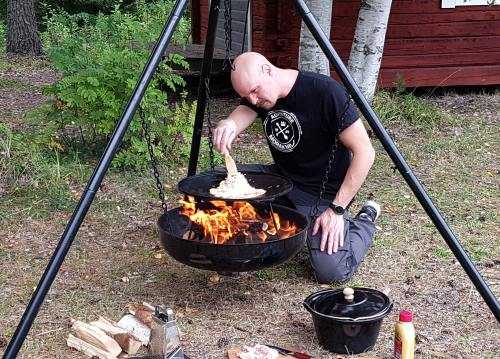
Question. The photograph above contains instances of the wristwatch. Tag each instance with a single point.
(337, 208)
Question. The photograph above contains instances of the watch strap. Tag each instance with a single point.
(338, 209)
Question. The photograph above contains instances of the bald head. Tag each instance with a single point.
(254, 78)
(247, 68)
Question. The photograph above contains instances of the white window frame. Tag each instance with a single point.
(450, 4)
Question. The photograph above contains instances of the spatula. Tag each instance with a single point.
(230, 164)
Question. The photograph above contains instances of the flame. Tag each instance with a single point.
(224, 222)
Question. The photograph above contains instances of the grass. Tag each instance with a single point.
(39, 188)
(461, 166)
(22, 63)
(38, 181)
(442, 252)
(289, 270)
(406, 109)
(4, 64)
(14, 85)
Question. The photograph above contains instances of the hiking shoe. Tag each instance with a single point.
(370, 210)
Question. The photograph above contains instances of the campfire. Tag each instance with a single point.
(239, 222)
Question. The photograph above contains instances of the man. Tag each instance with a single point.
(302, 114)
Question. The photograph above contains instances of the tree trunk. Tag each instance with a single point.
(311, 57)
(368, 44)
(22, 30)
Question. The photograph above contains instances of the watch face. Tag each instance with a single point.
(337, 209)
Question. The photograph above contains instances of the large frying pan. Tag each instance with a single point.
(199, 185)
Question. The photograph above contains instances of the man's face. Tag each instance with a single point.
(258, 87)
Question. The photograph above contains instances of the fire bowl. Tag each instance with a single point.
(236, 257)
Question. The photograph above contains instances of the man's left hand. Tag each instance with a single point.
(332, 230)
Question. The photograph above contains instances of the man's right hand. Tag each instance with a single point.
(224, 135)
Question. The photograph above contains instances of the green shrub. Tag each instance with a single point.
(398, 108)
(101, 58)
(44, 8)
(88, 6)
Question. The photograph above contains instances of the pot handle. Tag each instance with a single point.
(308, 307)
(309, 301)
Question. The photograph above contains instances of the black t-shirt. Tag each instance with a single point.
(301, 130)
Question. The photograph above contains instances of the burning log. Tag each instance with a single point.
(221, 223)
(190, 234)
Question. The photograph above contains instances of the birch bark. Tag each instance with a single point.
(368, 44)
(311, 57)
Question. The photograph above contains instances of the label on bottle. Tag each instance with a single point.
(398, 348)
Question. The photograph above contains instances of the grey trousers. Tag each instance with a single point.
(339, 266)
(358, 235)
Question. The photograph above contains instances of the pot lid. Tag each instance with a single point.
(349, 304)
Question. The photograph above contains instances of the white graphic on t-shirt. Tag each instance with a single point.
(283, 130)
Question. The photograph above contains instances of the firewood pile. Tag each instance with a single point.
(107, 339)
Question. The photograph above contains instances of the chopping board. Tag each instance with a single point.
(232, 353)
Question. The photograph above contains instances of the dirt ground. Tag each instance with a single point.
(116, 258)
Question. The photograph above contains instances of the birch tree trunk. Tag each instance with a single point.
(368, 45)
(22, 30)
(311, 57)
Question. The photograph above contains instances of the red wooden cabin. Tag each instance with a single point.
(428, 42)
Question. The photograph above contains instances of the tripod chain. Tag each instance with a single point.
(228, 33)
(209, 124)
(227, 63)
(153, 161)
(331, 158)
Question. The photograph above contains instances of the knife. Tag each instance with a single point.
(291, 353)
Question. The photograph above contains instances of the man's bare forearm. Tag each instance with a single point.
(357, 141)
(228, 130)
(355, 177)
(242, 116)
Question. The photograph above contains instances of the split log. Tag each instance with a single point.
(87, 348)
(134, 326)
(108, 326)
(96, 337)
(148, 306)
(127, 342)
(142, 312)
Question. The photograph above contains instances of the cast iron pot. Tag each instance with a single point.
(346, 323)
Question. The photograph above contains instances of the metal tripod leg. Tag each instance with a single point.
(93, 185)
(398, 159)
(202, 93)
